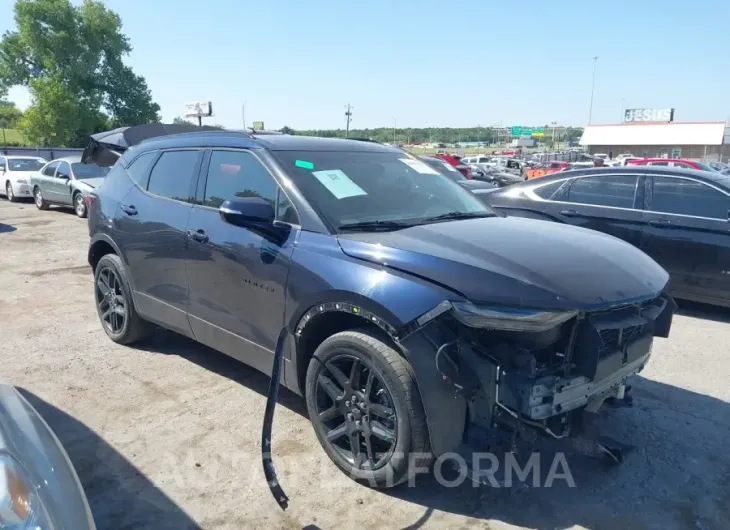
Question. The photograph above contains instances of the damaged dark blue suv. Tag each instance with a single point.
(411, 317)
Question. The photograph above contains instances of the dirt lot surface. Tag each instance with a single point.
(166, 435)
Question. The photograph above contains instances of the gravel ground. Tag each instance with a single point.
(167, 435)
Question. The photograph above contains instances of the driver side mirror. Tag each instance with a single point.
(2, 168)
(247, 212)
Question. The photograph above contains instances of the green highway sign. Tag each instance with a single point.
(527, 131)
(516, 130)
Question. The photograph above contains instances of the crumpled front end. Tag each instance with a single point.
(534, 371)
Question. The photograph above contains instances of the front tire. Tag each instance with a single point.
(79, 205)
(9, 192)
(40, 202)
(366, 410)
(114, 304)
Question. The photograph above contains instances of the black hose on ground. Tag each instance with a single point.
(273, 396)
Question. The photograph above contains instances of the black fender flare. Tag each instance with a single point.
(446, 410)
(105, 238)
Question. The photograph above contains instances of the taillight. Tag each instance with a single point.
(468, 174)
(89, 200)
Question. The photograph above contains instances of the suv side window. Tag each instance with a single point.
(616, 190)
(237, 174)
(139, 169)
(50, 169)
(173, 175)
(688, 197)
(64, 170)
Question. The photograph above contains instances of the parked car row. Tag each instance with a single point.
(63, 182)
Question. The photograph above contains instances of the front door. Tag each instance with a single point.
(237, 275)
(688, 234)
(608, 203)
(150, 229)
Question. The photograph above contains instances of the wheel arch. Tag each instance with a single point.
(338, 313)
(100, 246)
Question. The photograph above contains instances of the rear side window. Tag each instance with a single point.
(548, 190)
(237, 174)
(173, 175)
(139, 169)
(617, 191)
(687, 197)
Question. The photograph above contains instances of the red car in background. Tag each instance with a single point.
(455, 161)
(672, 162)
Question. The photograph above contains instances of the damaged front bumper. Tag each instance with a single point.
(540, 381)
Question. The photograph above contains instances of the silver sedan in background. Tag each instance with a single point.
(66, 182)
(39, 488)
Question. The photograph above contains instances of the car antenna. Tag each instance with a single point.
(273, 395)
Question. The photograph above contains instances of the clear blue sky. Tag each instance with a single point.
(428, 62)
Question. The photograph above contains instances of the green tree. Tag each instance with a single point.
(9, 115)
(71, 60)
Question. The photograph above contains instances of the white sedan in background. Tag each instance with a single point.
(15, 173)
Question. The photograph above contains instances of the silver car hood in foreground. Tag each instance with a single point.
(26, 437)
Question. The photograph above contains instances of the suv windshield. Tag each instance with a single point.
(363, 187)
(89, 171)
(24, 164)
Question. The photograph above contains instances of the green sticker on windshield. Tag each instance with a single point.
(304, 164)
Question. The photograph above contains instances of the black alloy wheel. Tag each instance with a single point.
(364, 404)
(355, 412)
(110, 300)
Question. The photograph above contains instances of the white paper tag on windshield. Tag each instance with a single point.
(419, 166)
(338, 183)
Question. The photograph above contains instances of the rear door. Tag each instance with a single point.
(150, 229)
(59, 184)
(44, 179)
(608, 203)
(688, 234)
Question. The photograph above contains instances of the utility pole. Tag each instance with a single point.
(348, 117)
(593, 88)
(243, 114)
(394, 126)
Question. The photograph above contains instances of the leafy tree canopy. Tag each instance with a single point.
(71, 60)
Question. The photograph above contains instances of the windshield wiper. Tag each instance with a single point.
(457, 215)
(367, 226)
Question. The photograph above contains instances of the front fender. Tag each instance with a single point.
(323, 279)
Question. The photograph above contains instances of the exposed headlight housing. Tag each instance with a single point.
(20, 506)
(509, 318)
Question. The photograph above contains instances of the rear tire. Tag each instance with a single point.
(114, 303)
(79, 204)
(40, 202)
(391, 413)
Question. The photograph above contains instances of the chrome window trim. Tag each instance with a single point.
(530, 193)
